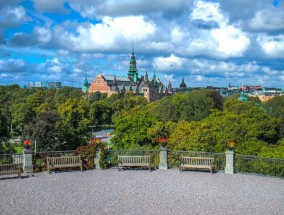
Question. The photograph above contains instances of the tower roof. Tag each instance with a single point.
(242, 97)
(132, 65)
(182, 84)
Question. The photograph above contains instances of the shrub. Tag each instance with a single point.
(103, 158)
(88, 153)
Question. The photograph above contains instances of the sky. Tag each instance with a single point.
(208, 43)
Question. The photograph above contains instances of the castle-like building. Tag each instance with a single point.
(152, 89)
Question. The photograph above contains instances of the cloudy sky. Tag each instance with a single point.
(205, 42)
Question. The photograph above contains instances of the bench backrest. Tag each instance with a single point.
(64, 160)
(134, 159)
(198, 161)
(10, 168)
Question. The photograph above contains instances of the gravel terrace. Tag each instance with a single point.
(141, 192)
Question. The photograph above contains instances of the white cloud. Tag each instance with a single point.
(12, 65)
(177, 35)
(231, 41)
(268, 19)
(223, 40)
(101, 8)
(43, 34)
(18, 13)
(109, 34)
(168, 63)
(273, 46)
(62, 52)
(207, 12)
(199, 78)
(52, 68)
(12, 16)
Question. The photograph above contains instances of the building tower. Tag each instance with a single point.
(132, 71)
(182, 86)
(85, 88)
(114, 87)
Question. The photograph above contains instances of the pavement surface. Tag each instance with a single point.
(141, 192)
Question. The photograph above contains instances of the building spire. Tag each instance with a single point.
(132, 71)
(146, 76)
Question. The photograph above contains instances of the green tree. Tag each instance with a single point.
(160, 130)
(97, 96)
(75, 121)
(4, 132)
(275, 106)
(195, 105)
(100, 113)
(167, 110)
(61, 95)
(45, 130)
(21, 114)
(131, 129)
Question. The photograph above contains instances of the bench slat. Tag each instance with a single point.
(134, 161)
(197, 163)
(64, 162)
(7, 169)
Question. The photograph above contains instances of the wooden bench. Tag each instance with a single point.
(134, 161)
(63, 162)
(7, 169)
(196, 163)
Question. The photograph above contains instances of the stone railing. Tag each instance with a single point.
(227, 162)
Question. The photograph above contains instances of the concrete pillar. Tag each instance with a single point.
(230, 162)
(97, 159)
(163, 158)
(27, 161)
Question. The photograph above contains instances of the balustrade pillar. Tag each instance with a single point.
(97, 159)
(230, 162)
(27, 161)
(163, 158)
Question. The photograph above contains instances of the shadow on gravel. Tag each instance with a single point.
(136, 169)
(15, 177)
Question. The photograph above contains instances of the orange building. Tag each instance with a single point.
(152, 89)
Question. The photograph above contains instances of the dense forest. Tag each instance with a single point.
(199, 120)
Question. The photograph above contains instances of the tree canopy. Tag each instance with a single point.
(199, 120)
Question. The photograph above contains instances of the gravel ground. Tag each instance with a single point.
(141, 192)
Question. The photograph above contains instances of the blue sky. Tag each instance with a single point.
(205, 42)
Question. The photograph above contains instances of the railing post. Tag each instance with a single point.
(97, 159)
(230, 162)
(163, 158)
(27, 160)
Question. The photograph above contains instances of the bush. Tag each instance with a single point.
(88, 153)
(103, 158)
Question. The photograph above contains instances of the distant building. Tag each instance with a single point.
(152, 89)
(85, 88)
(45, 84)
(182, 86)
(242, 97)
(264, 94)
